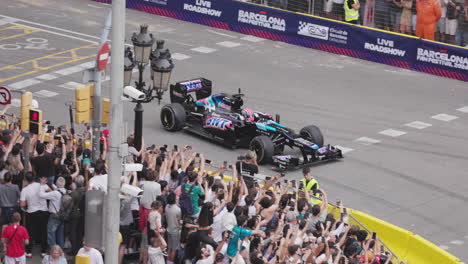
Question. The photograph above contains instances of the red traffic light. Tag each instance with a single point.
(34, 116)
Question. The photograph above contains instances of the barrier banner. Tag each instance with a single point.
(337, 37)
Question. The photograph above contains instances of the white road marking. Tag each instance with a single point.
(71, 85)
(344, 150)
(45, 93)
(15, 102)
(46, 77)
(69, 70)
(252, 39)
(457, 242)
(228, 44)
(6, 20)
(23, 84)
(204, 49)
(180, 56)
(95, 6)
(444, 117)
(444, 247)
(221, 34)
(51, 27)
(56, 33)
(333, 66)
(418, 125)
(463, 109)
(29, 23)
(367, 141)
(87, 65)
(392, 132)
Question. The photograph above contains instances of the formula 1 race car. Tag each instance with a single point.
(221, 118)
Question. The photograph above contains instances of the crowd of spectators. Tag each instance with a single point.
(448, 25)
(187, 211)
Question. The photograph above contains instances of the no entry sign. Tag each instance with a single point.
(103, 57)
(5, 96)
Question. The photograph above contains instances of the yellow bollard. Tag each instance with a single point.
(82, 259)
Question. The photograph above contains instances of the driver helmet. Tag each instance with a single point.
(248, 114)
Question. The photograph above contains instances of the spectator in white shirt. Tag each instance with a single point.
(99, 181)
(95, 257)
(55, 225)
(156, 250)
(229, 218)
(36, 213)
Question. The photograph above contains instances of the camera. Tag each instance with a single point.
(152, 147)
(131, 190)
(241, 158)
(133, 93)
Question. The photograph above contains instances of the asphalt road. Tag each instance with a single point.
(412, 177)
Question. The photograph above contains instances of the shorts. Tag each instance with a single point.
(173, 241)
(395, 16)
(329, 6)
(338, 10)
(382, 19)
(451, 27)
(125, 232)
(144, 241)
(441, 25)
(19, 260)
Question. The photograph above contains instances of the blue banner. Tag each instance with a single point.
(315, 32)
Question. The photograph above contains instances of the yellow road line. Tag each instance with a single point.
(34, 65)
(26, 31)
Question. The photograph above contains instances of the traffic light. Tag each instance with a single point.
(83, 104)
(105, 111)
(26, 102)
(35, 121)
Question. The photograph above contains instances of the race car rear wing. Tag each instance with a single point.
(200, 86)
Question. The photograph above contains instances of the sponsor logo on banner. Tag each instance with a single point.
(217, 123)
(442, 57)
(385, 46)
(161, 2)
(261, 19)
(192, 85)
(203, 7)
(313, 30)
(322, 32)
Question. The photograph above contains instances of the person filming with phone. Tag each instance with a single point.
(247, 165)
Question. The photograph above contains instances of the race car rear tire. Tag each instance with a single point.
(173, 117)
(312, 133)
(263, 147)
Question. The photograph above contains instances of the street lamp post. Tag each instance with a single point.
(161, 69)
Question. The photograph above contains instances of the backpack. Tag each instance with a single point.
(186, 201)
(66, 207)
(78, 207)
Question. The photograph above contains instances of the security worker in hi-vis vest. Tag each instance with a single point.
(351, 8)
(310, 183)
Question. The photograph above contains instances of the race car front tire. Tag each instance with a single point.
(312, 133)
(263, 147)
(173, 117)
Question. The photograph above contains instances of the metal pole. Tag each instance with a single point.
(138, 125)
(115, 162)
(27, 142)
(96, 123)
